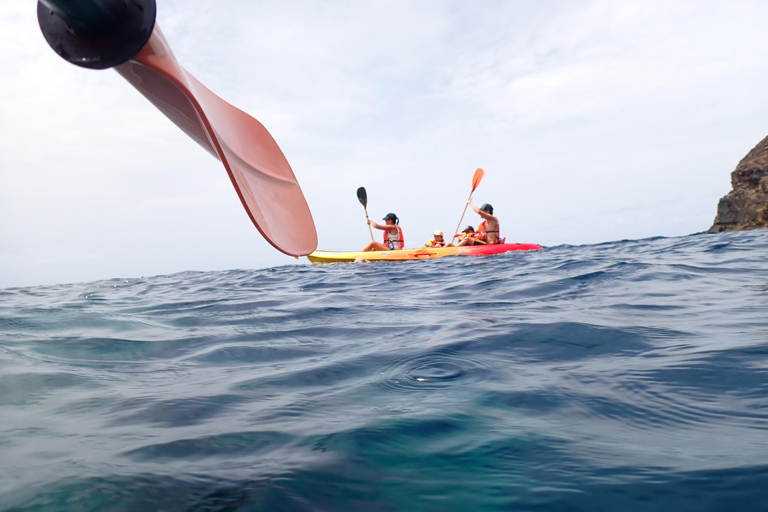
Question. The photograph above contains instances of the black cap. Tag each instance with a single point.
(469, 228)
(390, 216)
(487, 208)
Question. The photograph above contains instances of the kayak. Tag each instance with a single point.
(424, 253)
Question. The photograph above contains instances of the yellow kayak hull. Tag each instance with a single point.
(424, 253)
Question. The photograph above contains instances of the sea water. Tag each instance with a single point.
(613, 377)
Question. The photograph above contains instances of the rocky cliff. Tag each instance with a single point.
(746, 206)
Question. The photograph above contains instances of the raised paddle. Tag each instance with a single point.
(100, 34)
(479, 173)
(362, 196)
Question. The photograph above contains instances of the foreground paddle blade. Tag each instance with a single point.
(362, 196)
(479, 173)
(258, 169)
(262, 177)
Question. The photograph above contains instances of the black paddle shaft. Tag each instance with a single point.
(96, 34)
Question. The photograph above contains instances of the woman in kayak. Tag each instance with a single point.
(393, 235)
(488, 230)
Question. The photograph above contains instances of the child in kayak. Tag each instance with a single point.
(469, 232)
(438, 240)
(488, 230)
(393, 235)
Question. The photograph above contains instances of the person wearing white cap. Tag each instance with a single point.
(438, 240)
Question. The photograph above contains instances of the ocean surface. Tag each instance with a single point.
(621, 376)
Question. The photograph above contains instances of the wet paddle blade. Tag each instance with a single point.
(257, 168)
(479, 173)
(362, 196)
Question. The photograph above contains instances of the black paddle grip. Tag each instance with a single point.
(96, 34)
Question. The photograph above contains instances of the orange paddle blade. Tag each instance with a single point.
(257, 167)
(479, 173)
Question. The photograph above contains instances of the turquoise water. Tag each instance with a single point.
(621, 376)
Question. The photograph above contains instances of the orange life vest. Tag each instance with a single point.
(434, 243)
(391, 242)
(482, 234)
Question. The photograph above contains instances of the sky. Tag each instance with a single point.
(594, 121)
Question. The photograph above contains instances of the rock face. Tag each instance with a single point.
(746, 206)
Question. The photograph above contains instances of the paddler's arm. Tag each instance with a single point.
(384, 227)
(480, 212)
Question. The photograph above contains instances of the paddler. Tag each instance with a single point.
(393, 235)
(488, 230)
(438, 240)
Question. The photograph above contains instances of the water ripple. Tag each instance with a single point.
(431, 370)
(630, 375)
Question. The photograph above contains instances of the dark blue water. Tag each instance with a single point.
(615, 377)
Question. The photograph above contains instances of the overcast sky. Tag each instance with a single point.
(594, 121)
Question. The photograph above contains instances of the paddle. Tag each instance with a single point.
(99, 34)
(363, 198)
(479, 173)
